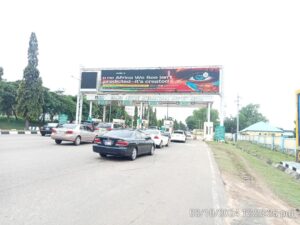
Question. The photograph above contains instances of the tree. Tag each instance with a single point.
(249, 115)
(191, 123)
(8, 93)
(1, 73)
(30, 93)
(230, 124)
(176, 125)
(160, 123)
(200, 116)
(182, 126)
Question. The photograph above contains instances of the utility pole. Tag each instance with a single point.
(167, 111)
(109, 111)
(237, 116)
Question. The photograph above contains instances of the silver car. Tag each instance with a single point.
(75, 133)
(103, 128)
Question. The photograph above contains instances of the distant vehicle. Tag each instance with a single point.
(75, 133)
(153, 127)
(126, 143)
(159, 139)
(178, 135)
(47, 129)
(102, 128)
(188, 134)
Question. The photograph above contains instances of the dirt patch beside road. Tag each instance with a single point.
(247, 191)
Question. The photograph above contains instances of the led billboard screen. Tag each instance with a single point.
(88, 80)
(178, 80)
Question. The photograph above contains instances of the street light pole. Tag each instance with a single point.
(78, 100)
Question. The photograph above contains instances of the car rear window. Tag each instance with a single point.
(119, 133)
(104, 125)
(178, 132)
(69, 126)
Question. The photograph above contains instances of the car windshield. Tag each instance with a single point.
(178, 132)
(151, 132)
(68, 126)
(119, 133)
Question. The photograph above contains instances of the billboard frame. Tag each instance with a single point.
(97, 93)
(99, 70)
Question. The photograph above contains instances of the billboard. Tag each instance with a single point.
(88, 81)
(173, 80)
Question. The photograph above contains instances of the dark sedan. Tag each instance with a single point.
(47, 129)
(126, 143)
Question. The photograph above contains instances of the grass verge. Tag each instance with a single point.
(12, 123)
(284, 186)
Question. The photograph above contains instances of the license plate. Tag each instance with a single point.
(108, 142)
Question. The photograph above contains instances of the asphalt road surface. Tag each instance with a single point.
(45, 183)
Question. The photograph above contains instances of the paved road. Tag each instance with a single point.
(45, 183)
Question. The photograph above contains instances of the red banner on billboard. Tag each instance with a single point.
(179, 80)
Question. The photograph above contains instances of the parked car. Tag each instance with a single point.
(188, 134)
(102, 128)
(47, 128)
(75, 133)
(91, 124)
(159, 139)
(178, 135)
(127, 143)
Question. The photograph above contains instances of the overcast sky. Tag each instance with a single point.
(257, 43)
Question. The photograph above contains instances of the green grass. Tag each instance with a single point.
(9, 124)
(283, 185)
(264, 153)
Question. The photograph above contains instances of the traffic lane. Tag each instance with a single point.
(155, 189)
(24, 159)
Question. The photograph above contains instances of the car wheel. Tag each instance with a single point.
(58, 141)
(133, 154)
(160, 145)
(102, 155)
(77, 141)
(152, 150)
(43, 134)
(167, 145)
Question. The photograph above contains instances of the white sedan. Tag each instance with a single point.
(178, 135)
(159, 139)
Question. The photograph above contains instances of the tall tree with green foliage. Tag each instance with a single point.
(182, 126)
(1, 73)
(8, 101)
(248, 115)
(200, 116)
(30, 93)
(230, 124)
